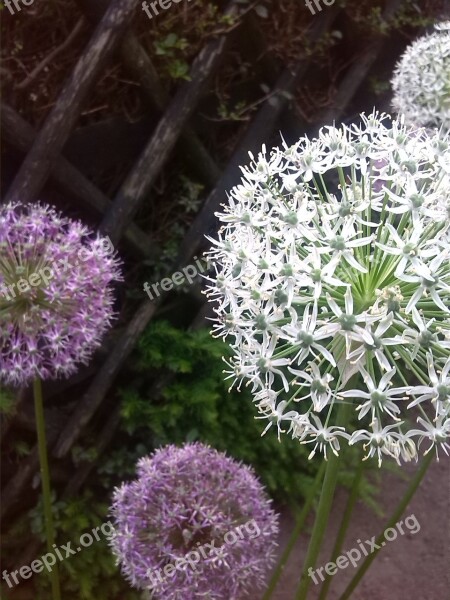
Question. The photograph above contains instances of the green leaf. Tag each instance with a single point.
(171, 40)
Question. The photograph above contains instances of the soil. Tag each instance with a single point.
(414, 565)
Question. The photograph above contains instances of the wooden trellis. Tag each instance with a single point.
(44, 160)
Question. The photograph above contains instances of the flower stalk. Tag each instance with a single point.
(396, 515)
(45, 482)
(340, 538)
(323, 511)
(300, 521)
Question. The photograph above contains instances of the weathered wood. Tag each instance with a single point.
(358, 72)
(137, 61)
(259, 131)
(49, 143)
(96, 392)
(139, 64)
(144, 173)
(20, 135)
(16, 484)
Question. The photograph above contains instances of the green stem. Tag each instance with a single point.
(45, 480)
(401, 507)
(323, 511)
(344, 525)
(296, 533)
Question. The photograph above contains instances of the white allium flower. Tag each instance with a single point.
(421, 80)
(379, 397)
(333, 262)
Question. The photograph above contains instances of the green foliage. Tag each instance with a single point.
(379, 86)
(171, 49)
(7, 403)
(21, 448)
(91, 573)
(190, 194)
(194, 404)
(233, 114)
(120, 464)
(83, 455)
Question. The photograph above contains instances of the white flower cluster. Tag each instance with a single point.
(421, 80)
(333, 272)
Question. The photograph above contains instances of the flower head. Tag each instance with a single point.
(202, 513)
(421, 81)
(56, 298)
(339, 269)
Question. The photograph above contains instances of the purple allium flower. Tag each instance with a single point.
(56, 298)
(195, 524)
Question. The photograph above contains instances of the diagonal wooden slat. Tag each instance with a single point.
(139, 64)
(50, 140)
(358, 72)
(143, 175)
(21, 479)
(20, 135)
(96, 392)
(262, 126)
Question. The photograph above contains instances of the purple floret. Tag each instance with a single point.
(56, 294)
(190, 500)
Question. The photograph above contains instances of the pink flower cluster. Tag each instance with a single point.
(46, 328)
(186, 500)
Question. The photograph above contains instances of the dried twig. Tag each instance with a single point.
(35, 72)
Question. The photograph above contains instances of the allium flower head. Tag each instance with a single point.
(56, 298)
(195, 524)
(333, 262)
(421, 81)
